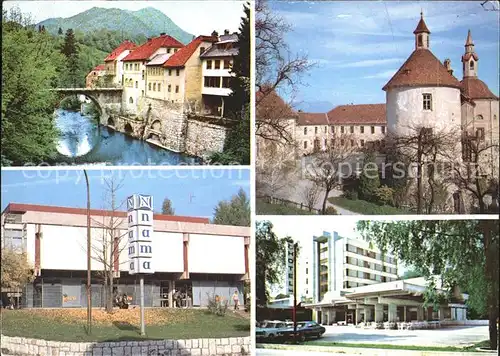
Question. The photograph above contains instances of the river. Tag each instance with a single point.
(83, 141)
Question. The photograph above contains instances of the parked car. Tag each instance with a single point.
(305, 330)
(268, 330)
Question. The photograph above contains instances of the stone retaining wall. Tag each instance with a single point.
(204, 138)
(235, 346)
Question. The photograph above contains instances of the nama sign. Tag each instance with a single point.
(140, 234)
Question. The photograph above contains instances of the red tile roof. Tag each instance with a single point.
(125, 45)
(421, 27)
(271, 106)
(99, 67)
(309, 118)
(422, 68)
(357, 114)
(147, 49)
(22, 208)
(179, 58)
(475, 88)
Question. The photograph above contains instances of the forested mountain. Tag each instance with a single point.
(125, 24)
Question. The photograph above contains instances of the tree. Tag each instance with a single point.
(369, 180)
(326, 169)
(167, 208)
(70, 50)
(107, 247)
(276, 67)
(16, 270)
(310, 195)
(270, 252)
(472, 175)
(60, 31)
(234, 212)
(281, 296)
(464, 252)
(29, 134)
(412, 273)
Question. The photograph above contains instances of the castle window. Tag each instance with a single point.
(333, 129)
(479, 117)
(362, 129)
(168, 50)
(372, 128)
(169, 88)
(159, 86)
(480, 133)
(176, 88)
(217, 64)
(362, 142)
(130, 100)
(142, 75)
(352, 143)
(177, 72)
(136, 84)
(154, 86)
(305, 130)
(383, 129)
(305, 144)
(352, 129)
(341, 129)
(324, 129)
(427, 101)
(170, 72)
(142, 93)
(316, 130)
(149, 86)
(471, 64)
(209, 64)
(420, 43)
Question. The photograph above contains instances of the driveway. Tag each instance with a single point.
(450, 336)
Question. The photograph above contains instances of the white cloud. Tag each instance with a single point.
(371, 63)
(387, 74)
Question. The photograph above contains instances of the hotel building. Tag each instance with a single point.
(188, 256)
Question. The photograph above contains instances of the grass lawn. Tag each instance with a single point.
(264, 208)
(381, 346)
(70, 324)
(366, 207)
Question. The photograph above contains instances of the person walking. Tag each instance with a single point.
(236, 300)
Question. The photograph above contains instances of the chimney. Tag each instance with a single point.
(162, 34)
(215, 34)
(226, 32)
(447, 64)
(149, 39)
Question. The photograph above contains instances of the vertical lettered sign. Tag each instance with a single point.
(140, 234)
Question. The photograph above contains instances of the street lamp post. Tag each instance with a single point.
(89, 286)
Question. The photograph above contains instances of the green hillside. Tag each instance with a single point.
(147, 22)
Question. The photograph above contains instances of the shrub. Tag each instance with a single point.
(384, 195)
(330, 210)
(351, 194)
(350, 183)
(369, 180)
(217, 305)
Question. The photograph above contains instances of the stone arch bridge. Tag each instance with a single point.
(107, 100)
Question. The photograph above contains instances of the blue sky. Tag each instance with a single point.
(358, 45)
(194, 192)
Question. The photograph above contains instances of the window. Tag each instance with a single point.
(341, 129)
(332, 129)
(209, 64)
(202, 49)
(494, 117)
(175, 50)
(480, 133)
(169, 88)
(159, 86)
(149, 86)
(420, 43)
(130, 100)
(142, 93)
(168, 50)
(217, 64)
(332, 142)
(225, 82)
(324, 129)
(154, 86)
(342, 142)
(176, 88)
(362, 142)
(177, 72)
(142, 75)
(316, 130)
(305, 130)
(13, 239)
(212, 82)
(383, 129)
(427, 101)
(136, 84)
(169, 72)
(352, 129)
(352, 143)
(471, 64)
(479, 117)
(305, 144)
(227, 64)
(372, 128)
(362, 129)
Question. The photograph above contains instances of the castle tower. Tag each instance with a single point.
(422, 34)
(470, 58)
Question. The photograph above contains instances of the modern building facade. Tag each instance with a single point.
(188, 256)
(340, 263)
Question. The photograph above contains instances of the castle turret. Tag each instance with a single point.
(422, 34)
(470, 58)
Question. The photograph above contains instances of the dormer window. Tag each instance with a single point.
(427, 101)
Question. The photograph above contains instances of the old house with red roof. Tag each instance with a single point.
(134, 74)
(114, 64)
(94, 75)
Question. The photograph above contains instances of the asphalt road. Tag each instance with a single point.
(264, 352)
